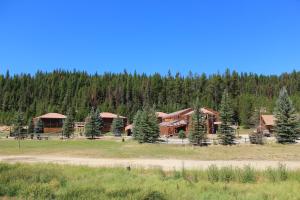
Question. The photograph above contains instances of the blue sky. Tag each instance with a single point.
(261, 36)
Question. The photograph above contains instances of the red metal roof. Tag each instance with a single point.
(160, 114)
(269, 120)
(174, 114)
(110, 115)
(205, 111)
(52, 116)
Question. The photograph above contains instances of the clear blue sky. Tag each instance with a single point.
(261, 36)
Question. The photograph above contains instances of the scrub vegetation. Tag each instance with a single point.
(48, 181)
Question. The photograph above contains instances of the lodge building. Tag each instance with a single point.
(52, 122)
(267, 122)
(181, 120)
(108, 118)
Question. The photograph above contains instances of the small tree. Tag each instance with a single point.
(30, 129)
(198, 129)
(38, 126)
(92, 125)
(137, 132)
(98, 122)
(286, 123)
(68, 126)
(226, 134)
(117, 126)
(181, 135)
(18, 124)
(145, 126)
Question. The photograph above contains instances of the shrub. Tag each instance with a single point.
(38, 191)
(256, 138)
(271, 174)
(282, 170)
(226, 174)
(154, 195)
(248, 175)
(213, 173)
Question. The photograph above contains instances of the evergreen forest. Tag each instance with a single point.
(126, 93)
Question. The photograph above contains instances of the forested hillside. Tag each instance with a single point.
(125, 93)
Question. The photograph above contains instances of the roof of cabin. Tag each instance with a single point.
(110, 115)
(205, 111)
(52, 116)
(160, 114)
(269, 120)
(177, 113)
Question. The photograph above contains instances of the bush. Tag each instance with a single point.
(38, 191)
(282, 170)
(213, 173)
(154, 195)
(248, 175)
(226, 174)
(256, 138)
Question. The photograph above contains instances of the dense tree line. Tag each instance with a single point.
(126, 93)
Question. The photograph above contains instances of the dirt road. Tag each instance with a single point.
(166, 164)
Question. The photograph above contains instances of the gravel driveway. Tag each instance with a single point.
(166, 164)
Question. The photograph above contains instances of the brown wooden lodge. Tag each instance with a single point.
(52, 122)
(169, 124)
(108, 118)
(180, 120)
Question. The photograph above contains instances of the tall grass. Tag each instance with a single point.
(48, 181)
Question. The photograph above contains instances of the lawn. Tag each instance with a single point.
(48, 181)
(131, 149)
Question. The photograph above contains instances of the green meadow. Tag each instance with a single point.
(49, 181)
(131, 149)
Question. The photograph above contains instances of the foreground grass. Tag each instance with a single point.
(47, 181)
(131, 149)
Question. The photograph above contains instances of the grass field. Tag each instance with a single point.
(131, 149)
(68, 182)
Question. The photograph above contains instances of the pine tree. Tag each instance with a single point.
(68, 126)
(18, 124)
(153, 129)
(197, 131)
(38, 126)
(286, 124)
(137, 132)
(30, 128)
(92, 125)
(181, 135)
(145, 126)
(98, 122)
(117, 126)
(226, 134)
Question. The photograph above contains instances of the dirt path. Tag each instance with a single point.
(166, 164)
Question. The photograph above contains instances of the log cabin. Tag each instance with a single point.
(108, 118)
(181, 120)
(52, 122)
(267, 122)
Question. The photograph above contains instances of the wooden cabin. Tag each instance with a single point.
(211, 118)
(108, 118)
(267, 122)
(52, 122)
(174, 122)
(160, 116)
(181, 120)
